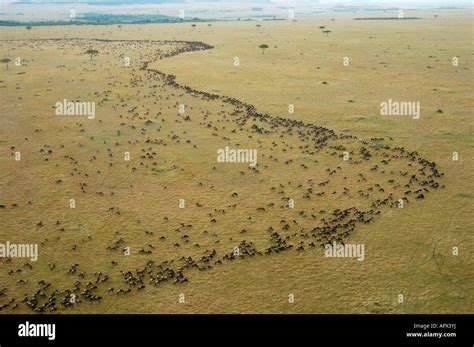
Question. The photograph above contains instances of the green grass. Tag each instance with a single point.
(466, 195)
(399, 242)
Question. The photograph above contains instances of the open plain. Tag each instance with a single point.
(157, 225)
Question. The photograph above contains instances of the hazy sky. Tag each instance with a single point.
(324, 2)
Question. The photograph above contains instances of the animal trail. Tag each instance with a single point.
(336, 181)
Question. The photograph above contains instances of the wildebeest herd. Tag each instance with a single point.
(233, 213)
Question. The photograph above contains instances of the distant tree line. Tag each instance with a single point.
(386, 18)
(105, 19)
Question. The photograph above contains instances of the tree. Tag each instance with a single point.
(120, 27)
(322, 27)
(194, 26)
(263, 47)
(29, 28)
(327, 32)
(92, 52)
(6, 61)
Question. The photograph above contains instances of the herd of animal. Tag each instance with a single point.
(336, 180)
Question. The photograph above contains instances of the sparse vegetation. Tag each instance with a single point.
(6, 61)
(134, 203)
(92, 52)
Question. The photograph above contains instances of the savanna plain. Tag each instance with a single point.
(173, 230)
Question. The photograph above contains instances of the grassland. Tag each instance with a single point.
(407, 250)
